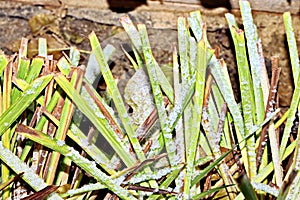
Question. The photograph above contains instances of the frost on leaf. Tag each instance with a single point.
(138, 96)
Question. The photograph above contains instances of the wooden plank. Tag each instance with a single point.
(276, 6)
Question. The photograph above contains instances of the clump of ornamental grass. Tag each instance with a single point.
(60, 139)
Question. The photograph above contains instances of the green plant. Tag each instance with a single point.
(181, 158)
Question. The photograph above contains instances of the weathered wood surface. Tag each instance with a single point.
(277, 6)
(160, 14)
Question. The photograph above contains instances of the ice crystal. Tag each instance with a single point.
(60, 143)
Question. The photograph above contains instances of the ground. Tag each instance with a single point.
(73, 24)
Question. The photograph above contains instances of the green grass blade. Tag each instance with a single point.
(221, 77)
(204, 172)
(156, 175)
(270, 167)
(217, 161)
(166, 183)
(197, 114)
(291, 118)
(181, 150)
(23, 66)
(83, 163)
(247, 96)
(97, 118)
(64, 66)
(27, 97)
(93, 70)
(245, 186)
(293, 51)
(266, 188)
(84, 189)
(65, 121)
(208, 192)
(195, 21)
(94, 152)
(18, 166)
(256, 65)
(183, 47)
(74, 133)
(157, 93)
(135, 38)
(132, 33)
(34, 69)
(116, 96)
(3, 62)
(6, 137)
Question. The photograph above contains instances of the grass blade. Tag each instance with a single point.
(247, 96)
(116, 96)
(293, 51)
(85, 164)
(157, 93)
(256, 66)
(28, 96)
(18, 166)
(65, 120)
(97, 118)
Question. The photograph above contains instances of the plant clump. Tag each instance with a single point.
(186, 138)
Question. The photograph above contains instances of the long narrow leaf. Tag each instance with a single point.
(85, 164)
(27, 97)
(97, 118)
(29, 176)
(116, 96)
